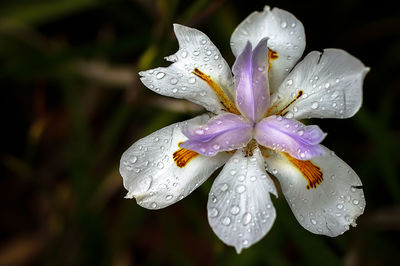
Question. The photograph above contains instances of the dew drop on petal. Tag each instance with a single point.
(216, 147)
(160, 165)
(173, 81)
(314, 105)
(213, 212)
(184, 54)
(246, 219)
(192, 80)
(240, 189)
(160, 75)
(339, 206)
(226, 221)
(235, 210)
(168, 197)
(224, 187)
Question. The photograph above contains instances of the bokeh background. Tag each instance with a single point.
(71, 103)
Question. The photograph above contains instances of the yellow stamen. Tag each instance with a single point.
(310, 171)
(230, 107)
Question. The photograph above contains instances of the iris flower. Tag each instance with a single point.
(252, 126)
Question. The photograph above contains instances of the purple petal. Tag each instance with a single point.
(251, 78)
(291, 136)
(224, 132)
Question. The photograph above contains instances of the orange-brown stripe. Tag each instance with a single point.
(272, 55)
(311, 172)
(230, 107)
(183, 156)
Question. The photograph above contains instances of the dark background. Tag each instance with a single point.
(71, 103)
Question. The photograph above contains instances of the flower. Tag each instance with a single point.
(253, 129)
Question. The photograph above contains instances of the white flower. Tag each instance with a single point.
(324, 193)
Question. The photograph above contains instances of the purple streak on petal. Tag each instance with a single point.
(224, 132)
(251, 79)
(291, 136)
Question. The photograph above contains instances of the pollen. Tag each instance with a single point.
(225, 101)
(311, 172)
(183, 156)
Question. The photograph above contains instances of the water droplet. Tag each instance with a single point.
(240, 189)
(293, 25)
(175, 90)
(173, 81)
(192, 80)
(246, 218)
(224, 187)
(313, 221)
(226, 221)
(153, 205)
(133, 159)
(160, 75)
(289, 82)
(216, 147)
(203, 41)
(253, 178)
(184, 54)
(241, 178)
(279, 118)
(284, 24)
(245, 242)
(339, 206)
(160, 165)
(213, 212)
(327, 85)
(216, 57)
(355, 202)
(235, 210)
(300, 132)
(334, 104)
(289, 115)
(232, 172)
(213, 199)
(314, 105)
(168, 197)
(274, 171)
(196, 53)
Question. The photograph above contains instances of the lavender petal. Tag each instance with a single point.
(291, 136)
(224, 132)
(251, 79)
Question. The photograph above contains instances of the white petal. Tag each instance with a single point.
(286, 38)
(195, 51)
(331, 85)
(151, 175)
(330, 207)
(240, 210)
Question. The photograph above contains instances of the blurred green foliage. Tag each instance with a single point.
(72, 103)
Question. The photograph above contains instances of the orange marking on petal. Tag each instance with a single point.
(183, 156)
(217, 89)
(272, 55)
(310, 171)
(273, 108)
